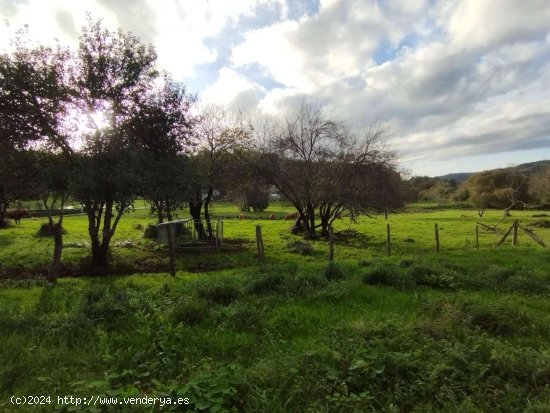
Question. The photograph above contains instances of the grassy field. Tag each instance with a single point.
(464, 330)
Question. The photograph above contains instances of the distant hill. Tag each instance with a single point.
(459, 177)
(524, 168)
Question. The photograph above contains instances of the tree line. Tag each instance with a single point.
(103, 126)
(504, 188)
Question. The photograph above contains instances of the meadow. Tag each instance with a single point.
(462, 330)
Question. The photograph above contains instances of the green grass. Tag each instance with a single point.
(464, 330)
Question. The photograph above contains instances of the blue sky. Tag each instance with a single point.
(462, 85)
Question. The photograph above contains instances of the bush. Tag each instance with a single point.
(46, 231)
(151, 232)
(428, 276)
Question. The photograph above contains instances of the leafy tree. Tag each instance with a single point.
(114, 72)
(35, 107)
(16, 180)
(105, 185)
(162, 132)
(499, 188)
(35, 97)
(539, 186)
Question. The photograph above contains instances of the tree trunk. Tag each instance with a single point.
(195, 212)
(160, 211)
(207, 213)
(3, 209)
(168, 210)
(309, 221)
(99, 255)
(53, 272)
(100, 247)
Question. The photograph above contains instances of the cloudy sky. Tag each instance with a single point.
(463, 85)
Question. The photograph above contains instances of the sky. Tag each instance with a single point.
(461, 85)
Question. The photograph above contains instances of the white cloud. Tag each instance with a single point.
(450, 77)
(232, 90)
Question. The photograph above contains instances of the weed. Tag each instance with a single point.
(389, 275)
(189, 312)
(223, 294)
(269, 283)
(106, 307)
(333, 272)
(243, 318)
(300, 247)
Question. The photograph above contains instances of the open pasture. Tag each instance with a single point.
(464, 330)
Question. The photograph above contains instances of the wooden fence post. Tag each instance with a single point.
(260, 243)
(477, 237)
(506, 235)
(388, 240)
(330, 244)
(515, 233)
(436, 238)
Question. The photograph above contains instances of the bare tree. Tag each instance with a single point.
(217, 131)
(320, 166)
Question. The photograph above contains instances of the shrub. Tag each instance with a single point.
(223, 294)
(46, 231)
(428, 276)
(151, 232)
